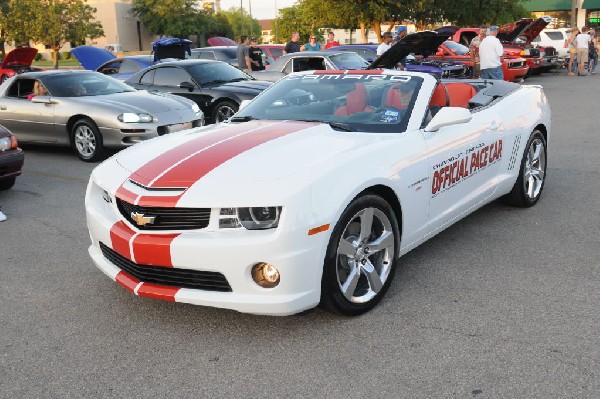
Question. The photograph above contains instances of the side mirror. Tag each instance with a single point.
(187, 85)
(448, 116)
(243, 104)
(42, 100)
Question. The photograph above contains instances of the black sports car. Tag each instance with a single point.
(217, 87)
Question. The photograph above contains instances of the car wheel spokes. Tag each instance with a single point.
(365, 254)
(224, 114)
(85, 141)
(535, 167)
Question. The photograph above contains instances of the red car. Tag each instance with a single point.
(272, 52)
(514, 69)
(17, 61)
(11, 159)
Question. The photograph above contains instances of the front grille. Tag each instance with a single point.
(166, 218)
(173, 277)
(534, 52)
(550, 51)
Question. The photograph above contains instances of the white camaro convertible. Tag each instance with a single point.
(312, 192)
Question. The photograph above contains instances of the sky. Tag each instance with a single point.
(261, 9)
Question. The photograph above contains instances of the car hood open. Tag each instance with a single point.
(221, 41)
(420, 43)
(171, 47)
(20, 56)
(525, 27)
(91, 57)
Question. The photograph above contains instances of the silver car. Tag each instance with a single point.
(89, 111)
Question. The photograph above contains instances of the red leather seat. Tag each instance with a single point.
(460, 94)
(393, 97)
(439, 97)
(356, 101)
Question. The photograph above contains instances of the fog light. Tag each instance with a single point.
(265, 275)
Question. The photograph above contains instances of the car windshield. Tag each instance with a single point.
(379, 103)
(457, 48)
(348, 60)
(79, 84)
(207, 73)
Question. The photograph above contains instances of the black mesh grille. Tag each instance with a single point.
(180, 278)
(166, 218)
(549, 51)
(534, 52)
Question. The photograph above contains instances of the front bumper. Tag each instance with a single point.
(134, 133)
(11, 162)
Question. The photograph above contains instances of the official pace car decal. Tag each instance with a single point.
(461, 166)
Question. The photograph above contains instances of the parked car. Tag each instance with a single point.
(440, 68)
(310, 60)
(226, 54)
(313, 191)
(89, 111)
(514, 69)
(17, 61)
(554, 38)
(217, 87)
(103, 61)
(11, 159)
(517, 37)
(272, 52)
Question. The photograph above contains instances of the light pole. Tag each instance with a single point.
(241, 18)
(250, 11)
(276, 16)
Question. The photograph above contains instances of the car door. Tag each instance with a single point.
(27, 120)
(465, 163)
(168, 79)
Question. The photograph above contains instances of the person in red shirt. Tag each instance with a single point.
(331, 42)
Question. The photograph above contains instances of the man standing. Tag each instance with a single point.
(385, 44)
(490, 56)
(474, 52)
(401, 32)
(292, 46)
(243, 55)
(256, 55)
(331, 42)
(583, 45)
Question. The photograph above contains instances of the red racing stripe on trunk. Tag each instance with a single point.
(156, 291)
(153, 249)
(126, 281)
(120, 235)
(194, 168)
(158, 165)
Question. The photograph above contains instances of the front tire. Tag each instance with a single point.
(7, 183)
(532, 174)
(87, 140)
(361, 257)
(223, 111)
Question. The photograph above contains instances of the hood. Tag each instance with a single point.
(244, 155)
(137, 101)
(525, 27)
(421, 43)
(449, 30)
(221, 41)
(20, 56)
(171, 47)
(91, 57)
(244, 86)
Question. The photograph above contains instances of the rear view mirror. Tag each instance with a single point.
(448, 116)
(42, 100)
(187, 85)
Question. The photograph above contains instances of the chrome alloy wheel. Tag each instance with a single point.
(365, 255)
(85, 141)
(223, 113)
(535, 169)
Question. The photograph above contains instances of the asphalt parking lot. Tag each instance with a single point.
(504, 304)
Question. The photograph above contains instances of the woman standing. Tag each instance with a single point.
(572, 49)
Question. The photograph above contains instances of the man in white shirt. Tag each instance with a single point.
(490, 56)
(385, 44)
(582, 42)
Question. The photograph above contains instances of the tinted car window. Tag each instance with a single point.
(215, 72)
(555, 35)
(206, 55)
(276, 52)
(110, 68)
(169, 76)
(348, 61)
(83, 84)
(20, 88)
(457, 48)
(129, 66)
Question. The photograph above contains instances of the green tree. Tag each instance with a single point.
(239, 19)
(63, 21)
(4, 8)
(21, 20)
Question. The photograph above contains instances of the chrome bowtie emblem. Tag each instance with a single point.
(141, 220)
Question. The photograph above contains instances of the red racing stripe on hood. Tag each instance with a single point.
(158, 165)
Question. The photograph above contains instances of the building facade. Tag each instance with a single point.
(587, 11)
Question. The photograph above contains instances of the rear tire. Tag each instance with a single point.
(87, 140)
(7, 183)
(532, 174)
(361, 257)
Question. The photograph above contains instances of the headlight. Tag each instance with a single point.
(255, 218)
(196, 108)
(129, 117)
(5, 143)
(525, 52)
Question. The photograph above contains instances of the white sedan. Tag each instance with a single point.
(312, 192)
